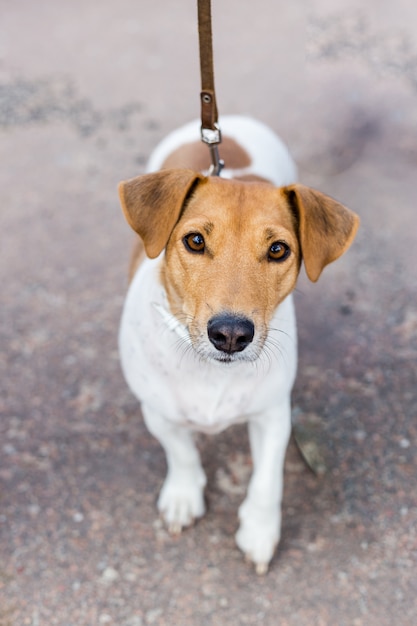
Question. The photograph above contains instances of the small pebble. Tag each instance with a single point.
(109, 575)
(9, 449)
(134, 621)
(34, 510)
(152, 615)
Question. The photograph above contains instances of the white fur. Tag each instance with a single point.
(180, 393)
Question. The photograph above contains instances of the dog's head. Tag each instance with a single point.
(233, 250)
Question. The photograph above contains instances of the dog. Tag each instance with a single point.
(208, 332)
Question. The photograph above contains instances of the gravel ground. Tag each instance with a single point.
(86, 90)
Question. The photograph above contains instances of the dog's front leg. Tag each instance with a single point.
(181, 499)
(260, 513)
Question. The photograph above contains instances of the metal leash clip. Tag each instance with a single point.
(213, 137)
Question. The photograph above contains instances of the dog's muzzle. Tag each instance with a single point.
(230, 333)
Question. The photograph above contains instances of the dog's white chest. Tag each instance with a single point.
(164, 373)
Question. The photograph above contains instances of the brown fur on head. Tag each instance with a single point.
(233, 265)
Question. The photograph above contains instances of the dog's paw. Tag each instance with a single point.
(258, 534)
(180, 503)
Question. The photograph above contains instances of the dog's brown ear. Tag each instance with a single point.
(326, 227)
(152, 204)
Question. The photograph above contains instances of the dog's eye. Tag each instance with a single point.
(279, 251)
(194, 242)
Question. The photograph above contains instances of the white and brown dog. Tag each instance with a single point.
(208, 333)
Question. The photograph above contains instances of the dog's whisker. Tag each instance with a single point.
(273, 341)
(281, 331)
(182, 348)
(277, 349)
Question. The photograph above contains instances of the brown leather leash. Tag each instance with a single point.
(210, 130)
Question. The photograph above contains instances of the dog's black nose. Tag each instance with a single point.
(230, 333)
